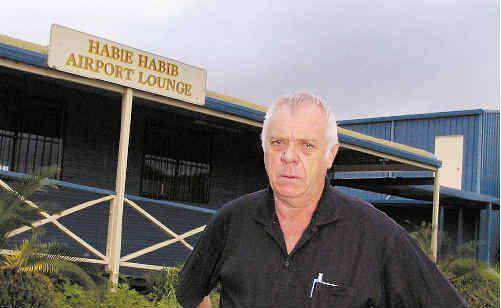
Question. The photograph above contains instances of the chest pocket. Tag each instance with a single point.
(325, 296)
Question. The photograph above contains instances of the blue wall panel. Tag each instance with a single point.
(421, 134)
(489, 180)
(379, 130)
(494, 237)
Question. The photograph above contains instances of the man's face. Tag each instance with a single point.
(295, 150)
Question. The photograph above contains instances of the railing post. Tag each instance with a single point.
(434, 221)
(114, 240)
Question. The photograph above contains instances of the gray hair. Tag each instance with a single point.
(293, 101)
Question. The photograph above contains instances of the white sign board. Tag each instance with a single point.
(93, 57)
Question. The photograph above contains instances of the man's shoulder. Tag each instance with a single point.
(358, 211)
(243, 206)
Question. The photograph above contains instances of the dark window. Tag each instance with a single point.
(176, 165)
(30, 139)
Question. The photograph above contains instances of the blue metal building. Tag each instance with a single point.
(480, 151)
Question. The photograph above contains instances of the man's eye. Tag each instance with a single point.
(309, 146)
(276, 142)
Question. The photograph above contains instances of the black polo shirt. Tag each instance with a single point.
(363, 257)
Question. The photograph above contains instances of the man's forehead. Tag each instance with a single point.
(297, 132)
(309, 106)
(304, 114)
(306, 121)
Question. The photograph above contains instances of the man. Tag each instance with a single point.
(302, 243)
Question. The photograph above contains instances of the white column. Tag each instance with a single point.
(434, 220)
(114, 241)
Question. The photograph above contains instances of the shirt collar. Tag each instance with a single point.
(327, 210)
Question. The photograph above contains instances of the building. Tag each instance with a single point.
(141, 170)
(467, 142)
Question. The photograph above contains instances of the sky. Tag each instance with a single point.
(365, 58)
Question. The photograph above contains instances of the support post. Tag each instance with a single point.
(434, 220)
(114, 240)
(441, 214)
(476, 235)
(459, 239)
(489, 233)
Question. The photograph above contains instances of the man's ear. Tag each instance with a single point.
(332, 155)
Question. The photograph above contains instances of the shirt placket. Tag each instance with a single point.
(286, 284)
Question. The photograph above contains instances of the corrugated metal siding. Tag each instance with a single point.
(483, 231)
(379, 130)
(480, 153)
(421, 134)
(489, 180)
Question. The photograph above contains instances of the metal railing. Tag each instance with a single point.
(109, 196)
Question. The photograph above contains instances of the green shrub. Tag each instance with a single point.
(161, 288)
(477, 282)
(161, 285)
(25, 290)
(167, 303)
(73, 295)
(124, 297)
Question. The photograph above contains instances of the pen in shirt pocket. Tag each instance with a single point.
(319, 279)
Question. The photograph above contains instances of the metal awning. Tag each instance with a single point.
(362, 153)
(420, 188)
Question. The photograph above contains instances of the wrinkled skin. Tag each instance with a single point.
(294, 157)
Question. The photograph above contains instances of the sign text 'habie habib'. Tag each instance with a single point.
(78, 53)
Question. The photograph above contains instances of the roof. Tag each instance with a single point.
(33, 54)
(416, 189)
(30, 53)
(455, 113)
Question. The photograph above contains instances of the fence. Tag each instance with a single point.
(107, 197)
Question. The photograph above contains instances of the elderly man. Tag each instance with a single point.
(302, 243)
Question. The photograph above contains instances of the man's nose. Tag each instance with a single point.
(289, 154)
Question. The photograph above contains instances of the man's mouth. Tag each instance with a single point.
(290, 177)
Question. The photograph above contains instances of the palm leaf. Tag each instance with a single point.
(14, 212)
(34, 256)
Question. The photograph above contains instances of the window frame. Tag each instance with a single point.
(157, 126)
(20, 131)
